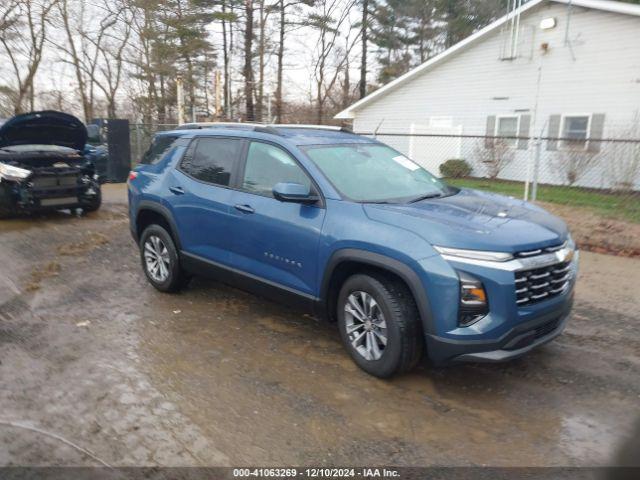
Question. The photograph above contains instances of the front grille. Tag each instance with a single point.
(540, 284)
(54, 181)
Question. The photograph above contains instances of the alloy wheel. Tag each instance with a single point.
(157, 260)
(365, 324)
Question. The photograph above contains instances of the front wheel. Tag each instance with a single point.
(379, 324)
(94, 203)
(160, 260)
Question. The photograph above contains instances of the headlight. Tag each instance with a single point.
(473, 300)
(474, 254)
(14, 174)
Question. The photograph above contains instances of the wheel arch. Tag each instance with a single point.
(347, 262)
(149, 213)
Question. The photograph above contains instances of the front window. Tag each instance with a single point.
(375, 173)
(268, 165)
(507, 127)
(575, 131)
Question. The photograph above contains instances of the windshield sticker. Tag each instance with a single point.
(406, 163)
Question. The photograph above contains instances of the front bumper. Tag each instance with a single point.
(513, 344)
(35, 194)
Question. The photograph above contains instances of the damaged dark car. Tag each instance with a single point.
(42, 165)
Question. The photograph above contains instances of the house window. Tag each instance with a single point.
(575, 131)
(507, 127)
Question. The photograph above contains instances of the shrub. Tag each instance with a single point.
(455, 168)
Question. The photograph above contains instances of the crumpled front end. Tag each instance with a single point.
(36, 181)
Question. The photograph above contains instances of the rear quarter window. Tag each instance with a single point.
(160, 145)
(212, 159)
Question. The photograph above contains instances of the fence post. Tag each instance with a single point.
(536, 167)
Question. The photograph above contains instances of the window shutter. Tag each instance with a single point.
(491, 131)
(525, 126)
(553, 132)
(596, 131)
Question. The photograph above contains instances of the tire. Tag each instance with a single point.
(94, 204)
(7, 206)
(169, 277)
(404, 339)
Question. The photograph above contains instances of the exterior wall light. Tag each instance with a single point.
(548, 23)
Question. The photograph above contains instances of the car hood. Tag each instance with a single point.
(475, 220)
(44, 128)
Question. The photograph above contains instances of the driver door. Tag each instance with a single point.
(274, 240)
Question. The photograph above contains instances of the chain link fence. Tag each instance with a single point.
(602, 175)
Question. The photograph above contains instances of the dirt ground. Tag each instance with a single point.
(98, 367)
(599, 234)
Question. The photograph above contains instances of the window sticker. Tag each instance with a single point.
(406, 163)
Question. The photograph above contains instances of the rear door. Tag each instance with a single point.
(273, 240)
(200, 195)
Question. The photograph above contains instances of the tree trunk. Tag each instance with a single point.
(260, 95)
(248, 70)
(363, 62)
(225, 53)
(280, 61)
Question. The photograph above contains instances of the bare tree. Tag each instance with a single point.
(113, 47)
(248, 61)
(82, 46)
(494, 155)
(574, 163)
(328, 19)
(623, 157)
(23, 39)
(363, 59)
(283, 7)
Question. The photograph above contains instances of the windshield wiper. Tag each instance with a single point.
(425, 197)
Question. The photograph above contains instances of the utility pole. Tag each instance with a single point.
(180, 97)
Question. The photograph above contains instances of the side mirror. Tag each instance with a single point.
(293, 192)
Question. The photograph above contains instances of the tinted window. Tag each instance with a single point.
(212, 160)
(159, 147)
(267, 165)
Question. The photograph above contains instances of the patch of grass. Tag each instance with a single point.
(625, 206)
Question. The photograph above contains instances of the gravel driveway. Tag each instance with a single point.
(98, 367)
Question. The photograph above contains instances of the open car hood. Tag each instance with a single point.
(44, 128)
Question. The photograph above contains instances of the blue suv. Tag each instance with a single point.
(352, 230)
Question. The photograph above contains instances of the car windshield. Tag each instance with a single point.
(374, 173)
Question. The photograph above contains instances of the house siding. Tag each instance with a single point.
(596, 72)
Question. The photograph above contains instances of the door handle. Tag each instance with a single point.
(177, 190)
(245, 208)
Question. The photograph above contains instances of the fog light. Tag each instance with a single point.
(473, 300)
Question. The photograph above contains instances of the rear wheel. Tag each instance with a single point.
(160, 260)
(7, 205)
(379, 324)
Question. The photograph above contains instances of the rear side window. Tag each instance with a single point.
(212, 160)
(159, 147)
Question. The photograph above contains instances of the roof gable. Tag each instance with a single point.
(604, 5)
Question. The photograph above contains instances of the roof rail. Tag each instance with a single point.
(260, 127)
(313, 127)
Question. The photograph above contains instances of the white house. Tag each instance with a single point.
(552, 68)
